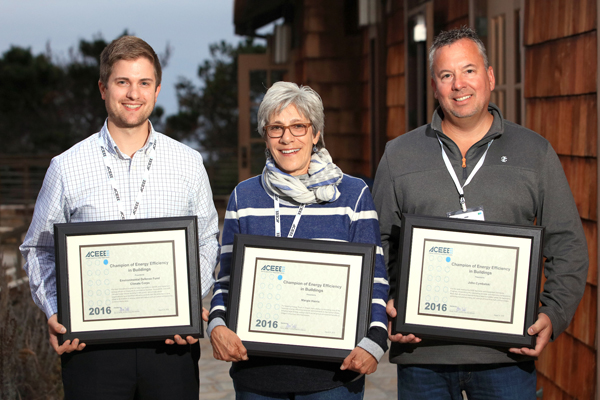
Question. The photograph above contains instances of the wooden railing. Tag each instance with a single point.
(21, 178)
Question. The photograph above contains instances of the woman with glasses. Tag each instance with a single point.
(315, 200)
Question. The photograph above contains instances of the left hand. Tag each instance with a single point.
(180, 341)
(398, 337)
(188, 340)
(543, 329)
(361, 361)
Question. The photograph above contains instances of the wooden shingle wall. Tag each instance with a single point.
(330, 63)
(560, 39)
(450, 14)
(396, 87)
(365, 95)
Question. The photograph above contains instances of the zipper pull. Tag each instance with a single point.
(464, 162)
(464, 168)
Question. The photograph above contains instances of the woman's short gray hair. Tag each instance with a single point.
(307, 102)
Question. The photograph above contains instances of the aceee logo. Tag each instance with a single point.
(273, 268)
(100, 253)
(441, 250)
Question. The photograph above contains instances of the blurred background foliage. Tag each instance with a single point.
(48, 104)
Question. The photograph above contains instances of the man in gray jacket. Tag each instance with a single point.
(515, 177)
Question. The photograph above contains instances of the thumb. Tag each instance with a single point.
(347, 362)
(390, 309)
(236, 343)
(243, 352)
(58, 328)
(535, 328)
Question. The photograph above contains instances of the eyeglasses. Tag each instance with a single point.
(277, 131)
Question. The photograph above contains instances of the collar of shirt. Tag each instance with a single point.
(478, 148)
(496, 129)
(114, 149)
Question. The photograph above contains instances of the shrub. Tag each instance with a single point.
(29, 367)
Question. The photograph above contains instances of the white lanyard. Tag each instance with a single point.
(278, 219)
(113, 183)
(460, 189)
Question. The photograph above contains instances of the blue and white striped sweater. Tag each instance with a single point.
(351, 218)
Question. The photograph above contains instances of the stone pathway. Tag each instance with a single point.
(215, 382)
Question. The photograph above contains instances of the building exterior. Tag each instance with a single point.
(367, 59)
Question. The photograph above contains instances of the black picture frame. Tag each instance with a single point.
(417, 230)
(244, 277)
(72, 240)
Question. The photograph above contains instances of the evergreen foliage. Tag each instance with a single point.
(46, 104)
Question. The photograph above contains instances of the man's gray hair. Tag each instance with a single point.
(446, 38)
(307, 102)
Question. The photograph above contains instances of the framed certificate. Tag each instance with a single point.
(130, 280)
(300, 298)
(468, 281)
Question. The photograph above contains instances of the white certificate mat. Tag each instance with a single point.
(473, 278)
(303, 303)
(284, 301)
(133, 280)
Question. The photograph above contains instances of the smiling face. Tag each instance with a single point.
(461, 82)
(290, 153)
(130, 93)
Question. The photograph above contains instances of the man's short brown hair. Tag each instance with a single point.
(447, 38)
(127, 48)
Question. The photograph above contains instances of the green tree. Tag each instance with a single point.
(46, 104)
(29, 90)
(208, 114)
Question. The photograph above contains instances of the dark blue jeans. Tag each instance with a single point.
(351, 391)
(480, 382)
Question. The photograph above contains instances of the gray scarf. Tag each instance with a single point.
(320, 186)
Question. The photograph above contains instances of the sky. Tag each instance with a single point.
(189, 26)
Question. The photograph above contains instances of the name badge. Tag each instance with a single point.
(471, 213)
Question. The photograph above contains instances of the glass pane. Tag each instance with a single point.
(416, 82)
(501, 101)
(278, 75)
(258, 83)
(518, 117)
(254, 121)
(415, 3)
(257, 158)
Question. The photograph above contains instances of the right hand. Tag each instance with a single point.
(55, 329)
(391, 312)
(226, 345)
